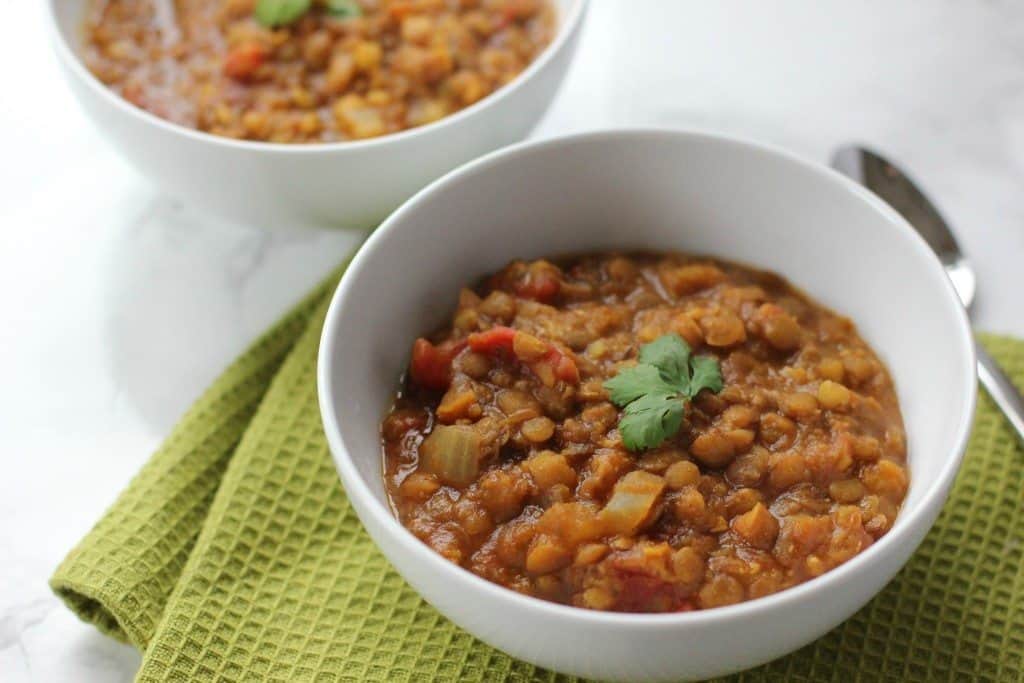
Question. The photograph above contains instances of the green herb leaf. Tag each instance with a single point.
(654, 393)
(670, 354)
(344, 9)
(650, 419)
(632, 383)
(273, 13)
(706, 375)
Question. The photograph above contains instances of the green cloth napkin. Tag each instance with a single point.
(234, 555)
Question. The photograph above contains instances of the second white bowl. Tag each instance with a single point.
(285, 186)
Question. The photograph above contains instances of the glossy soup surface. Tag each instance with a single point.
(503, 454)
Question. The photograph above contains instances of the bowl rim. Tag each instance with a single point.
(568, 26)
(902, 533)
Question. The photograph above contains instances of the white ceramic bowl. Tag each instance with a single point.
(347, 184)
(655, 190)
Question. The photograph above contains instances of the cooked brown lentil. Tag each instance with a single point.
(209, 65)
(502, 452)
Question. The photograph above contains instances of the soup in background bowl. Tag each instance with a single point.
(340, 70)
(348, 183)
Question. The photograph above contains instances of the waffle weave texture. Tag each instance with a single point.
(234, 555)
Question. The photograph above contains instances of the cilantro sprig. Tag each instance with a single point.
(654, 393)
(274, 13)
(344, 9)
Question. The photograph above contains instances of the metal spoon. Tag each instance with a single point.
(895, 187)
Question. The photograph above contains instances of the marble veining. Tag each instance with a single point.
(120, 304)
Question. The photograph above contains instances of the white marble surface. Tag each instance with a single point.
(120, 304)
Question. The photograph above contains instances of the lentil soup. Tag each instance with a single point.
(382, 67)
(505, 450)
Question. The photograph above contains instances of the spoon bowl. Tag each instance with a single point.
(895, 187)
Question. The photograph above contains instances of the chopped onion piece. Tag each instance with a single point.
(633, 502)
(452, 453)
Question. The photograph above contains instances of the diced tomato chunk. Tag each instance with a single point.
(643, 593)
(562, 366)
(565, 366)
(431, 366)
(500, 339)
(244, 59)
(542, 287)
(493, 340)
(540, 281)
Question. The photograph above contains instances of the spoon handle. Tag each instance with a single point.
(1002, 391)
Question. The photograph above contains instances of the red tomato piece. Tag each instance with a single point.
(640, 593)
(431, 366)
(565, 367)
(500, 340)
(243, 60)
(493, 340)
(539, 285)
